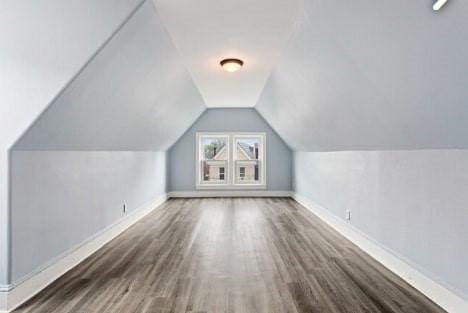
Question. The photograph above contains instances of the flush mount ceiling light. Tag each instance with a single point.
(439, 4)
(231, 65)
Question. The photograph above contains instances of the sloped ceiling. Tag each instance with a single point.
(134, 95)
(42, 45)
(207, 31)
(354, 76)
(372, 75)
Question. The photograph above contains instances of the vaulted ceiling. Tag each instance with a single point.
(207, 31)
(372, 75)
(327, 75)
(135, 94)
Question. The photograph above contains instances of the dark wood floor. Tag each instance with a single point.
(247, 255)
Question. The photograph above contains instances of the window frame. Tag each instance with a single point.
(200, 182)
(230, 171)
(242, 172)
(261, 158)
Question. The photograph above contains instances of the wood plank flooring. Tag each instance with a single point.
(244, 255)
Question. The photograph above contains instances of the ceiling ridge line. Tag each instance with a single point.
(287, 42)
(177, 48)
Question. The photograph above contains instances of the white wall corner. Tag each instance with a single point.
(441, 295)
(13, 296)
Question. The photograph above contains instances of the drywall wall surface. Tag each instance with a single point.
(411, 202)
(182, 155)
(43, 44)
(372, 75)
(4, 219)
(135, 94)
(62, 198)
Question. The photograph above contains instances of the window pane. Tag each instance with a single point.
(213, 171)
(248, 172)
(231, 159)
(247, 149)
(214, 149)
(248, 156)
(214, 155)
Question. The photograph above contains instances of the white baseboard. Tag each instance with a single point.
(13, 296)
(3, 300)
(229, 193)
(441, 295)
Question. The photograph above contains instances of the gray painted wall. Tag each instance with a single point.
(382, 76)
(4, 218)
(183, 154)
(126, 97)
(61, 198)
(42, 45)
(411, 202)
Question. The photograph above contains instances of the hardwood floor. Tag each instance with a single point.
(230, 255)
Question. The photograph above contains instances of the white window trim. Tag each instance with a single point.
(262, 154)
(230, 169)
(199, 181)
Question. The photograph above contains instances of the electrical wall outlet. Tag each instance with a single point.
(348, 215)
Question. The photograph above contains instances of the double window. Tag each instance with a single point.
(231, 160)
